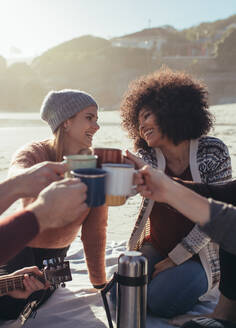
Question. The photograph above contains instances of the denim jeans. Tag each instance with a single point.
(176, 290)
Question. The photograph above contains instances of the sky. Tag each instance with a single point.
(29, 27)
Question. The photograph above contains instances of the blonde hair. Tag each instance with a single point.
(58, 143)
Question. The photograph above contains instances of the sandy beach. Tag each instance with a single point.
(78, 303)
(18, 129)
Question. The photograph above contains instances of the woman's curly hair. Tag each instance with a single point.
(178, 101)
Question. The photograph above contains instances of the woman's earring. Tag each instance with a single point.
(66, 126)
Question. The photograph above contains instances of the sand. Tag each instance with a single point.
(78, 304)
(18, 129)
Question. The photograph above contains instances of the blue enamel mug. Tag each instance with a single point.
(95, 181)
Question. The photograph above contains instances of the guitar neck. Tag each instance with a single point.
(9, 284)
(57, 272)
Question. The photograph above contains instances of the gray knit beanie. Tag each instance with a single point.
(59, 106)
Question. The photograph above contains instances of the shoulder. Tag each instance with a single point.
(34, 146)
(213, 160)
(211, 145)
(31, 154)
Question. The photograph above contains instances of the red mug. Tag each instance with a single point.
(108, 155)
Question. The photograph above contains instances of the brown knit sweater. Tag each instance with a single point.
(93, 230)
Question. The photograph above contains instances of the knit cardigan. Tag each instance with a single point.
(209, 163)
(93, 232)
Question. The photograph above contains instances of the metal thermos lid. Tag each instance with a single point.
(132, 264)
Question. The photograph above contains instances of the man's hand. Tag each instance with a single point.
(31, 284)
(156, 185)
(162, 266)
(32, 180)
(29, 182)
(153, 184)
(60, 203)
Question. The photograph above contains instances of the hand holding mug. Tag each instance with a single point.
(60, 204)
(30, 181)
(134, 160)
(153, 183)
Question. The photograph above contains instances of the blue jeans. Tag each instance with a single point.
(176, 290)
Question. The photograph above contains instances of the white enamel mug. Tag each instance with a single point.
(119, 182)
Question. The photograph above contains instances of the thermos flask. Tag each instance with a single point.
(131, 291)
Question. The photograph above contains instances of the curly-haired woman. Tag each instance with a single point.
(166, 114)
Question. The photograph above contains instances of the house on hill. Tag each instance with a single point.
(162, 41)
(150, 39)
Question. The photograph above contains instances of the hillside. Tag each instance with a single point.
(105, 67)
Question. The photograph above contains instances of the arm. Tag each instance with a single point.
(20, 228)
(9, 193)
(29, 182)
(94, 241)
(14, 188)
(21, 161)
(32, 180)
(221, 226)
(224, 192)
(216, 165)
(216, 219)
(32, 170)
(56, 206)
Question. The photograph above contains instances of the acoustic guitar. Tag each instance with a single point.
(56, 271)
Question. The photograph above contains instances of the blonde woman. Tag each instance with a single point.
(72, 116)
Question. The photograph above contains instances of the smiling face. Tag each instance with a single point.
(149, 130)
(80, 129)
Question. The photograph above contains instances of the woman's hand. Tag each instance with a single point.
(31, 283)
(162, 266)
(133, 159)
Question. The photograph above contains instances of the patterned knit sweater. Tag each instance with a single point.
(93, 230)
(209, 163)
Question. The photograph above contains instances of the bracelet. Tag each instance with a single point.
(99, 286)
